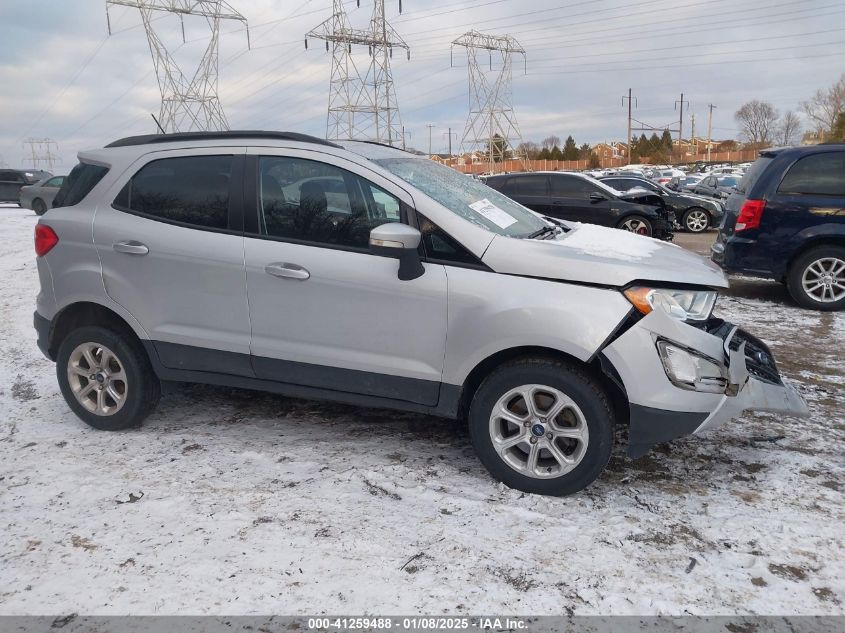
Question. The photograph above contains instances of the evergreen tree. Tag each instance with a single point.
(556, 154)
(584, 151)
(570, 149)
(595, 163)
(666, 140)
(544, 154)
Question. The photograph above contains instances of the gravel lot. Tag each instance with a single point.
(231, 501)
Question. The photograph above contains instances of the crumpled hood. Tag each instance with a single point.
(598, 255)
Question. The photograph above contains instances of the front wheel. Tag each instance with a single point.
(636, 224)
(106, 378)
(696, 220)
(816, 279)
(542, 426)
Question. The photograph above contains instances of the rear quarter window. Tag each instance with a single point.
(78, 184)
(819, 174)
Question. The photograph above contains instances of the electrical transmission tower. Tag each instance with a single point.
(41, 152)
(361, 107)
(491, 124)
(187, 103)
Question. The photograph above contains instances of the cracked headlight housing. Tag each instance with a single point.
(684, 305)
(690, 370)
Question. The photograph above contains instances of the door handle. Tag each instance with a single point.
(287, 271)
(131, 247)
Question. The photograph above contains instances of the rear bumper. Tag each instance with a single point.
(662, 411)
(43, 326)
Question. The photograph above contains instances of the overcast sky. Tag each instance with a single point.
(62, 77)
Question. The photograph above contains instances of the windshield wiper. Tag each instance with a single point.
(542, 232)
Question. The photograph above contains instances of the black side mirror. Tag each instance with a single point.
(400, 241)
(597, 197)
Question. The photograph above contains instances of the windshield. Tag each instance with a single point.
(728, 181)
(465, 196)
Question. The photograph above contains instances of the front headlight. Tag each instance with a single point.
(685, 305)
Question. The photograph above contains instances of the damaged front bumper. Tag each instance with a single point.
(661, 410)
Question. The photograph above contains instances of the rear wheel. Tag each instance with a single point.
(542, 426)
(696, 220)
(817, 278)
(39, 207)
(106, 378)
(636, 224)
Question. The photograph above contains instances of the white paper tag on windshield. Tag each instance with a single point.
(497, 216)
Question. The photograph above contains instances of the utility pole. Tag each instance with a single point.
(709, 130)
(681, 123)
(188, 102)
(628, 140)
(692, 135)
(449, 134)
(41, 152)
(491, 113)
(429, 126)
(361, 107)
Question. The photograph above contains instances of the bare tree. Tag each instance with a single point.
(757, 119)
(550, 141)
(529, 149)
(825, 106)
(788, 129)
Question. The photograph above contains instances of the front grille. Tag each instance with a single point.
(758, 357)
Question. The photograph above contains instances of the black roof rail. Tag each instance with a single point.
(147, 139)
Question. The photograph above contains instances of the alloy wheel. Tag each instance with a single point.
(97, 379)
(697, 221)
(824, 280)
(634, 225)
(539, 431)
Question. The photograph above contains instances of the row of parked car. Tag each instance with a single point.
(30, 188)
(781, 218)
(626, 201)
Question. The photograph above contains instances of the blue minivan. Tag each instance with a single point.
(786, 221)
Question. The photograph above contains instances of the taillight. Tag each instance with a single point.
(750, 215)
(45, 239)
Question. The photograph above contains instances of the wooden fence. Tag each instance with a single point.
(739, 156)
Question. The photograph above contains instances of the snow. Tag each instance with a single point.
(235, 502)
(609, 243)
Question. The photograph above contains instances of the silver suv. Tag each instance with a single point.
(360, 273)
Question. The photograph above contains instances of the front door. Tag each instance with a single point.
(172, 255)
(570, 196)
(325, 312)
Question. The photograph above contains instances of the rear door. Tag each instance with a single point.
(529, 190)
(326, 313)
(570, 197)
(172, 252)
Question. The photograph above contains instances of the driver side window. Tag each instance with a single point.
(309, 201)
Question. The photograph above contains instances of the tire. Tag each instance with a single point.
(696, 220)
(135, 395)
(807, 274)
(39, 207)
(636, 224)
(587, 414)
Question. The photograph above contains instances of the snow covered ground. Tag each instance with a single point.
(234, 502)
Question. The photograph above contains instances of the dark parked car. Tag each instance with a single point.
(716, 186)
(12, 180)
(694, 213)
(580, 198)
(786, 221)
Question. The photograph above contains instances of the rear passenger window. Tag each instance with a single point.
(315, 202)
(820, 174)
(192, 190)
(78, 184)
(529, 185)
